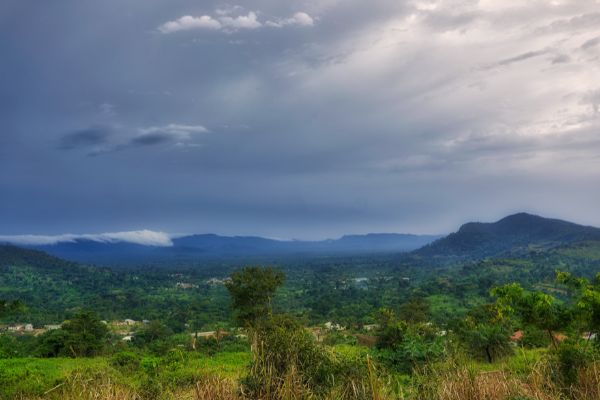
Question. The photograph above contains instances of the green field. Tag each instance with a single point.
(37, 376)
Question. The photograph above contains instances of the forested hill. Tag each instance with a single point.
(14, 256)
(515, 234)
(212, 247)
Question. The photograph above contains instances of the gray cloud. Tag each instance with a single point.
(85, 138)
(591, 43)
(377, 117)
(522, 57)
(560, 59)
(151, 139)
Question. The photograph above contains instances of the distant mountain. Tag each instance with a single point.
(514, 234)
(12, 255)
(210, 246)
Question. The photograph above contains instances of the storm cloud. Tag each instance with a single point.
(296, 119)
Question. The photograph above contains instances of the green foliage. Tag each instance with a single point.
(11, 307)
(282, 346)
(536, 309)
(415, 310)
(534, 338)
(391, 330)
(570, 356)
(485, 333)
(406, 347)
(587, 300)
(17, 346)
(487, 341)
(54, 343)
(84, 335)
(126, 361)
(155, 336)
(252, 290)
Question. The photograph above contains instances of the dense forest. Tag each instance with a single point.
(363, 326)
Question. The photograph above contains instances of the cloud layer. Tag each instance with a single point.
(288, 119)
(143, 237)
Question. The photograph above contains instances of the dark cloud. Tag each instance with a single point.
(151, 139)
(376, 117)
(522, 57)
(85, 138)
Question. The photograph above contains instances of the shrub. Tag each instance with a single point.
(535, 338)
(126, 361)
(284, 353)
(569, 357)
(488, 342)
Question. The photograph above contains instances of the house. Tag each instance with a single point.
(517, 336)
(217, 281)
(210, 334)
(16, 328)
(185, 285)
(28, 328)
(330, 326)
(559, 337)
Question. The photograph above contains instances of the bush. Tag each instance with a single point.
(126, 361)
(488, 342)
(17, 346)
(534, 338)
(403, 347)
(54, 344)
(284, 351)
(568, 358)
(419, 345)
(335, 338)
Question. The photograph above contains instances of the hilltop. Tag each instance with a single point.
(515, 234)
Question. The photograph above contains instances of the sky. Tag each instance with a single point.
(295, 119)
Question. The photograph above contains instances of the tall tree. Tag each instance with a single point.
(86, 334)
(251, 290)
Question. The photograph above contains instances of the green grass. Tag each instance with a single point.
(230, 365)
(35, 376)
(180, 370)
(520, 363)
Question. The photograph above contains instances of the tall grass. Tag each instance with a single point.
(345, 377)
(463, 382)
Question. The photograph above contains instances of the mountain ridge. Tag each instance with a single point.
(212, 246)
(515, 233)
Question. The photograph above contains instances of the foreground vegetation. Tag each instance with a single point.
(385, 327)
(274, 356)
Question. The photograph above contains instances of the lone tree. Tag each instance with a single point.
(252, 290)
(86, 334)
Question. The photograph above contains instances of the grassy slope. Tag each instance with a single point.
(34, 376)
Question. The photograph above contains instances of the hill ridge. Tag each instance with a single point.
(515, 233)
